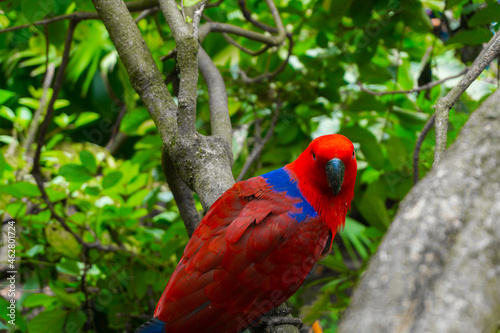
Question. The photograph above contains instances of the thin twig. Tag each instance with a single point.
(212, 5)
(391, 104)
(145, 13)
(259, 144)
(55, 93)
(246, 79)
(233, 42)
(47, 47)
(41, 138)
(116, 127)
(273, 40)
(248, 16)
(444, 104)
(72, 16)
(35, 122)
(133, 6)
(414, 90)
(83, 287)
(196, 19)
(171, 54)
(416, 152)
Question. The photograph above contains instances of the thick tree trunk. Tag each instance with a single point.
(438, 267)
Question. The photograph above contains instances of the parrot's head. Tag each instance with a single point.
(326, 173)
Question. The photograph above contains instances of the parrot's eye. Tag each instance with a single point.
(314, 156)
(353, 154)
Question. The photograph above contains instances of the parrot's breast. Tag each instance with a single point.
(280, 181)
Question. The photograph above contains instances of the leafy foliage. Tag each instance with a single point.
(114, 190)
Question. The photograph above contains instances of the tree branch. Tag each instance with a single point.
(220, 122)
(259, 144)
(437, 267)
(231, 29)
(248, 16)
(182, 194)
(133, 6)
(187, 60)
(50, 108)
(414, 90)
(246, 79)
(427, 127)
(444, 104)
(141, 67)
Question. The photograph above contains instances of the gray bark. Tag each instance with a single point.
(438, 267)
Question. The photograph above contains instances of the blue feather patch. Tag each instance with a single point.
(280, 181)
(155, 325)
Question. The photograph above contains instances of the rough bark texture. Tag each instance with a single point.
(438, 267)
(141, 67)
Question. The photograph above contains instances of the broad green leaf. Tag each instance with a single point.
(85, 118)
(452, 3)
(485, 16)
(7, 113)
(36, 300)
(21, 189)
(48, 322)
(39, 248)
(111, 179)
(72, 300)
(369, 145)
(75, 173)
(188, 3)
(23, 116)
(476, 36)
(75, 321)
(62, 241)
(29, 102)
(5, 95)
(88, 161)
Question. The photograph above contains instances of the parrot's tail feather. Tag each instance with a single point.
(155, 325)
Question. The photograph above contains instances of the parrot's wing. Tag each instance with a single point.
(232, 260)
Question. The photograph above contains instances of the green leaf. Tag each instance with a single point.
(75, 321)
(88, 161)
(71, 300)
(29, 102)
(476, 36)
(86, 118)
(21, 189)
(75, 173)
(111, 179)
(5, 95)
(7, 113)
(39, 248)
(36, 300)
(23, 116)
(369, 145)
(485, 16)
(452, 3)
(48, 322)
(188, 3)
(62, 241)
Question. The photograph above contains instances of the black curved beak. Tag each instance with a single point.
(335, 174)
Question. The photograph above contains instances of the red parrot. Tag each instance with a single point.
(258, 242)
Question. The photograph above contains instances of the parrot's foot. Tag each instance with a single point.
(275, 317)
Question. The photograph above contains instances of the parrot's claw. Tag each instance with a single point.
(277, 317)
